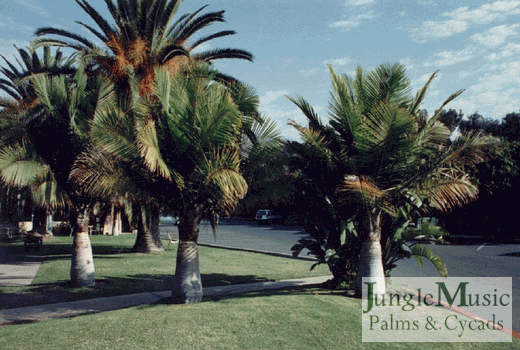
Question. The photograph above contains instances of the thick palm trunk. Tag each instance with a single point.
(82, 272)
(187, 286)
(146, 240)
(113, 222)
(108, 223)
(371, 258)
(117, 226)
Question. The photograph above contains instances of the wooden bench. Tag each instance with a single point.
(32, 240)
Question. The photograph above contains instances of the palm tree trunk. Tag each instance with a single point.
(113, 224)
(371, 258)
(108, 225)
(187, 286)
(146, 241)
(82, 272)
(117, 222)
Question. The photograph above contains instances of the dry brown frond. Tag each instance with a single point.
(117, 70)
(362, 185)
(175, 64)
(451, 193)
(139, 53)
(146, 84)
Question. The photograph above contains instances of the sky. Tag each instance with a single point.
(474, 45)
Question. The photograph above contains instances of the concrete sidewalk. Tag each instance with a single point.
(81, 307)
(18, 270)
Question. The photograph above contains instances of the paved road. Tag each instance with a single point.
(498, 260)
(249, 235)
(462, 260)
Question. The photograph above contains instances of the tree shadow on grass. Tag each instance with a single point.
(59, 251)
(303, 290)
(63, 290)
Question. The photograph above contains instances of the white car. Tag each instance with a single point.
(267, 216)
(168, 220)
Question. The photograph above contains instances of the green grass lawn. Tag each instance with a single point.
(298, 319)
(120, 272)
(289, 319)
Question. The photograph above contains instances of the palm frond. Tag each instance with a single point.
(217, 54)
(148, 144)
(449, 190)
(18, 166)
(211, 37)
(315, 121)
(419, 252)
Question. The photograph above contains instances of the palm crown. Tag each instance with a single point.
(143, 36)
(16, 84)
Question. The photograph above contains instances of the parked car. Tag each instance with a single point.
(266, 216)
(168, 220)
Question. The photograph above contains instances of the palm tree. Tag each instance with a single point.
(386, 158)
(55, 132)
(142, 38)
(22, 97)
(187, 137)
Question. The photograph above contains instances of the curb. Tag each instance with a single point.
(468, 314)
(39, 313)
(281, 255)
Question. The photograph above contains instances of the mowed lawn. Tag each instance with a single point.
(310, 318)
(120, 272)
(297, 319)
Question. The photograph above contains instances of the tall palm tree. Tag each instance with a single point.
(386, 158)
(187, 136)
(56, 131)
(22, 98)
(142, 37)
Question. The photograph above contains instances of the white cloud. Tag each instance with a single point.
(486, 13)
(353, 21)
(407, 62)
(423, 79)
(9, 26)
(271, 96)
(359, 2)
(433, 30)
(341, 61)
(31, 5)
(434, 93)
(309, 72)
(509, 50)
(496, 35)
(494, 92)
(462, 18)
(448, 58)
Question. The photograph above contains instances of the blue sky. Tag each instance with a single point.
(475, 45)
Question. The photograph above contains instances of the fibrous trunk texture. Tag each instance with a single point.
(371, 257)
(113, 222)
(187, 286)
(147, 241)
(82, 272)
